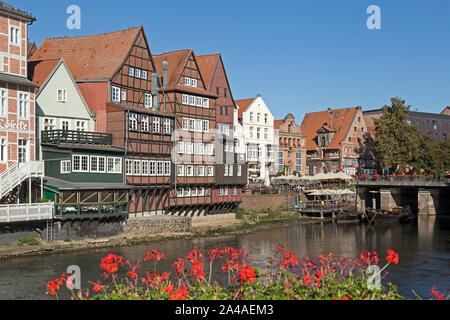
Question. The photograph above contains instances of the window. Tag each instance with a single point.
(210, 171)
(198, 125)
(115, 96)
(225, 92)
(131, 72)
(187, 82)
(199, 102)
(205, 125)
(81, 125)
(22, 151)
(137, 167)
(148, 103)
(258, 117)
(192, 100)
(200, 171)
(199, 149)
(194, 83)
(226, 171)
(194, 192)
(152, 168)
(167, 129)
(145, 171)
(124, 95)
(187, 192)
(180, 192)
(61, 95)
(14, 35)
(3, 101)
(191, 124)
(145, 122)
(65, 125)
(185, 124)
(144, 75)
(80, 163)
(258, 133)
(280, 161)
(49, 124)
(115, 165)
(189, 171)
(181, 147)
(251, 132)
(185, 99)
(180, 171)
(239, 171)
(266, 134)
(189, 148)
(129, 167)
(98, 164)
(217, 91)
(234, 191)
(167, 168)
(205, 103)
(298, 161)
(133, 123)
(156, 125)
(24, 104)
(3, 150)
(230, 170)
(65, 166)
(209, 150)
(160, 169)
(137, 73)
(251, 116)
(266, 118)
(201, 192)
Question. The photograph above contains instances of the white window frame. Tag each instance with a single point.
(166, 126)
(190, 171)
(180, 193)
(96, 160)
(49, 124)
(23, 102)
(14, 35)
(81, 125)
(116, 165)
(185, 99)
(115, 94)
(148, 101)
(3, 100)
(129, 167)
(133, 122)
(185, 124)
(160, 168)
(61, 95)
(198, 101)
(152, 170)
(65, 166)
(65, 121)
(192, 100)
(145, 123)
(180, 171)
(187, 192)
(167, 168)
(180, 147)
(81, 157)
(156, 125)
(187, 81)
(210, 171)
(144, 74)
(137, 73)
(4, 150)
(194, 192)
(131, 71)
(201, 192)
(205, 103)
(145, 168)
(206, 126)
(123, 95)
(201, 171)
(194, 83)
(239, 171)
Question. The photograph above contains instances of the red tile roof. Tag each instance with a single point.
(243, 105)
(38, 71)
(90, 57)
(207, 65)
(341, 118)
(176, 59)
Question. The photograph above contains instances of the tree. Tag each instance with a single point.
(399, 146)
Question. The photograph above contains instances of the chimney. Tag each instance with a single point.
(165, 70)
(155, 92)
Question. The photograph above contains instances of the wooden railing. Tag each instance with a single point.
(26, 212)
(76, 137)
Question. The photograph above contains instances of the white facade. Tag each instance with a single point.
(60, 104)
(257, 122)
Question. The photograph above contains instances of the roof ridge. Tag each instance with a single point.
(172, 52)
(95, 35)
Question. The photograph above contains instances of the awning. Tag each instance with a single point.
(62, 185)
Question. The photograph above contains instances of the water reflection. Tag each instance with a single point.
(423, 248)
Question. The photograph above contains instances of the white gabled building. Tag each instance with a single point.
(257, 123)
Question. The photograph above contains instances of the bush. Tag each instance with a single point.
(286, 278)
(29, 241)
(67, 240)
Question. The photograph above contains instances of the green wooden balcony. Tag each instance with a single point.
(76, 137)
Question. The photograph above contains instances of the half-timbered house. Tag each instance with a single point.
(184, 93)
(116, 74)
(231, 173)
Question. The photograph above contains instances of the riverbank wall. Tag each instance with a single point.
(264, 202)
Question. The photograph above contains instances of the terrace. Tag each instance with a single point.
(76, 137)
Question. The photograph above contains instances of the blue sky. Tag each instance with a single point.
(302, 56)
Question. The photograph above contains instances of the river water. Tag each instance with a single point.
(423, 246)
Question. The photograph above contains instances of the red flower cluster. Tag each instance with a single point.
(178, 265)
(54, 285)
(369, 258)
(178, 294)
(436, 294)
(288, 260)
(156, 255)
(111, 263)
(196, 258)
(133, 273)
(246, 274)
(392, 257)
(344, 298)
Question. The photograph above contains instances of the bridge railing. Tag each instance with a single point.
(405, 178)
(26, 212)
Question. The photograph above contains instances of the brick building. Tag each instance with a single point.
(337, 140)
(291, 154)
(231, 173)
(432, 124)
(17, 100)
(446, 111)
(116, 75)
(185, 94)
